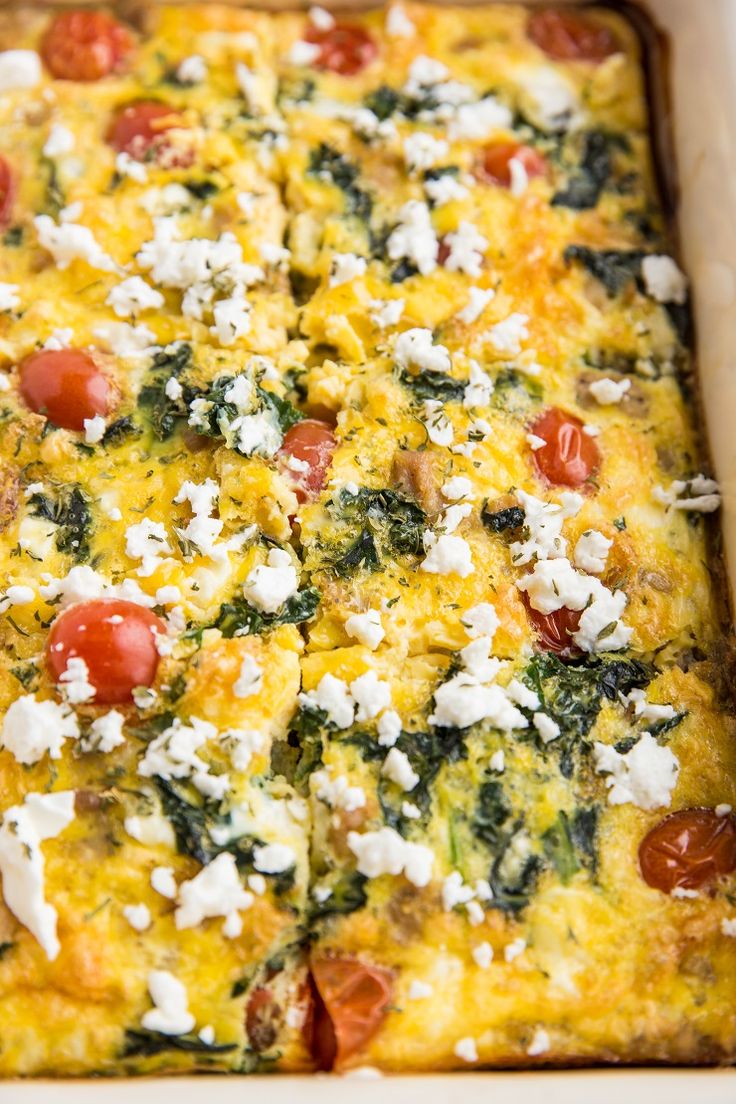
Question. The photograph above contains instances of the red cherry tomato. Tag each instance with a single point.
(352, 1001)
(7, 192)
(116, 640)
(140, 129)
(570, 36)
(312, 442)
(344, 49)
(569, 456)
(64, 384)
(84, 45)
(554, 630)
(494, 164)
(688, 849)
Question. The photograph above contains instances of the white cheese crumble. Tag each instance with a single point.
(419, 990)
(547, 728)
(94, 429)
(388, 728)
(105, 733)
(398, 769)
(170, 1014)
(74, 682)
(138, 916)
(644, 776)
(366, 628)
(59, 141)
(479, 300)
(447, 555)
(23, 829)
(467, 1049)
(163, 881)
(386, 852)
(506, 336)
(416, 347)
(476, 121)
(414, 238)
(345, 268)
(591, 551)
(552, 102)
(9, 300)
(699, 493)
(539, 1044)
(514, 949)
(466, 249)
(554, 583)
(303, 53)
(151, 831)
(215, 891)
(663, 279)
(439, 427)
(398, 24)
(607, 391)
(459, 486)
(268, 586)
(444, 188)
(133, 296)
(482, 955)
(147, 541)
(728, 926)
(19, 69)
(480, 620)
(250, 678)
(422, 151)
(191, 70)
(32, 729)
(386, 313)
(173, 754)
(337, 792)
(321, 18)
(273, 858)
(68, 241)
(125, 340)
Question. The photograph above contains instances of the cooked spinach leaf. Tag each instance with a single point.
(120, 430)
(502, 521)
(69, 509)
(238, 618)
(569, 843)
(433, 385)
(328, 164)
(513, 878)
(307, 730)
(385, 522)
(348, 894)
(615, 268)
(144, 1044)
(584, 187)
(163, 412)
(491, 813)
(426, 752)
(383, 101)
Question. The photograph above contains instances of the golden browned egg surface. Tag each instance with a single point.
(364, 694)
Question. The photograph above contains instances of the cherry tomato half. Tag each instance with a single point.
(352, 1002)
(140, 129)
(84, 45)
(312, 442)
(569, 456)
(64, 384)
(344, 49)
(494, 165)
(688, 849)
(116, 640)
(7, 192)
(554, 630)
(570, 36)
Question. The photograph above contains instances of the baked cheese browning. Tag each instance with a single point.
(363, 656)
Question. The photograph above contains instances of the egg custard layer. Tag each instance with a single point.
(365, 682)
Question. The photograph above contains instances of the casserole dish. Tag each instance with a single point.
(719, 291)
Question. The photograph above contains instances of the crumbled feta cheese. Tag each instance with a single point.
(606, 391)
(551, 100)
(517, 692)
(554, 583)
(133, 296)
(346, 267)
(466, 1048)
(191, 70)
(519, 176)
(444, 188)
(231, 319)
(105, 733)
(19, 69)
(663, 279)
(497, 762)
(371, 695)
(337, 792)
(303, 53)
(647, 711)
(250, 678)
(173, 389)
(479, 300)
(410, 810)
(173, 754)
(32, 729)
(547, 728)
(475, 122)
(728, 926)
(644, 776)
(482, 955)
(23, 829)
(457, 487)
(591, 551)
(414, 238)
(699, 493)
(74, 681)
(478, 390)
(60, 140)
(422, 151)
(138, 916)
(164, 882)
(125, 165)
(388, 728)
(398, 769)
(439, 427)
(94, 429)
(448, 555)
(215, 891)
(386, 312)
(514, 949)
(463, 701)
(67, 242)
(466, 249)
(170, 1014)
(366, 628)
(9, 300)
(543, 523)
(418, 990)
(506, 336)
(273, 858)
(386, 852)
(125, 340)
(147, 541)
(333, 697)
(539, 1044)
(268, 586)
(321, 18)
(398, 24)
(151, 830)
(416, 348)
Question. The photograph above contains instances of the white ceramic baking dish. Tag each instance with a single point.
(699, 39)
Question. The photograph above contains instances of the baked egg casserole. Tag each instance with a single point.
(366, 678)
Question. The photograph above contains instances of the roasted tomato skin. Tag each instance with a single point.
(117, 641)
(570, 36)
(84, 45)
(554, 630)
(7, 192)
(494, 165)
(351, 1002)
(344, 49)
(313, 442)
(688, 850)
(65, 385)
(569, 456)
(139, 129)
